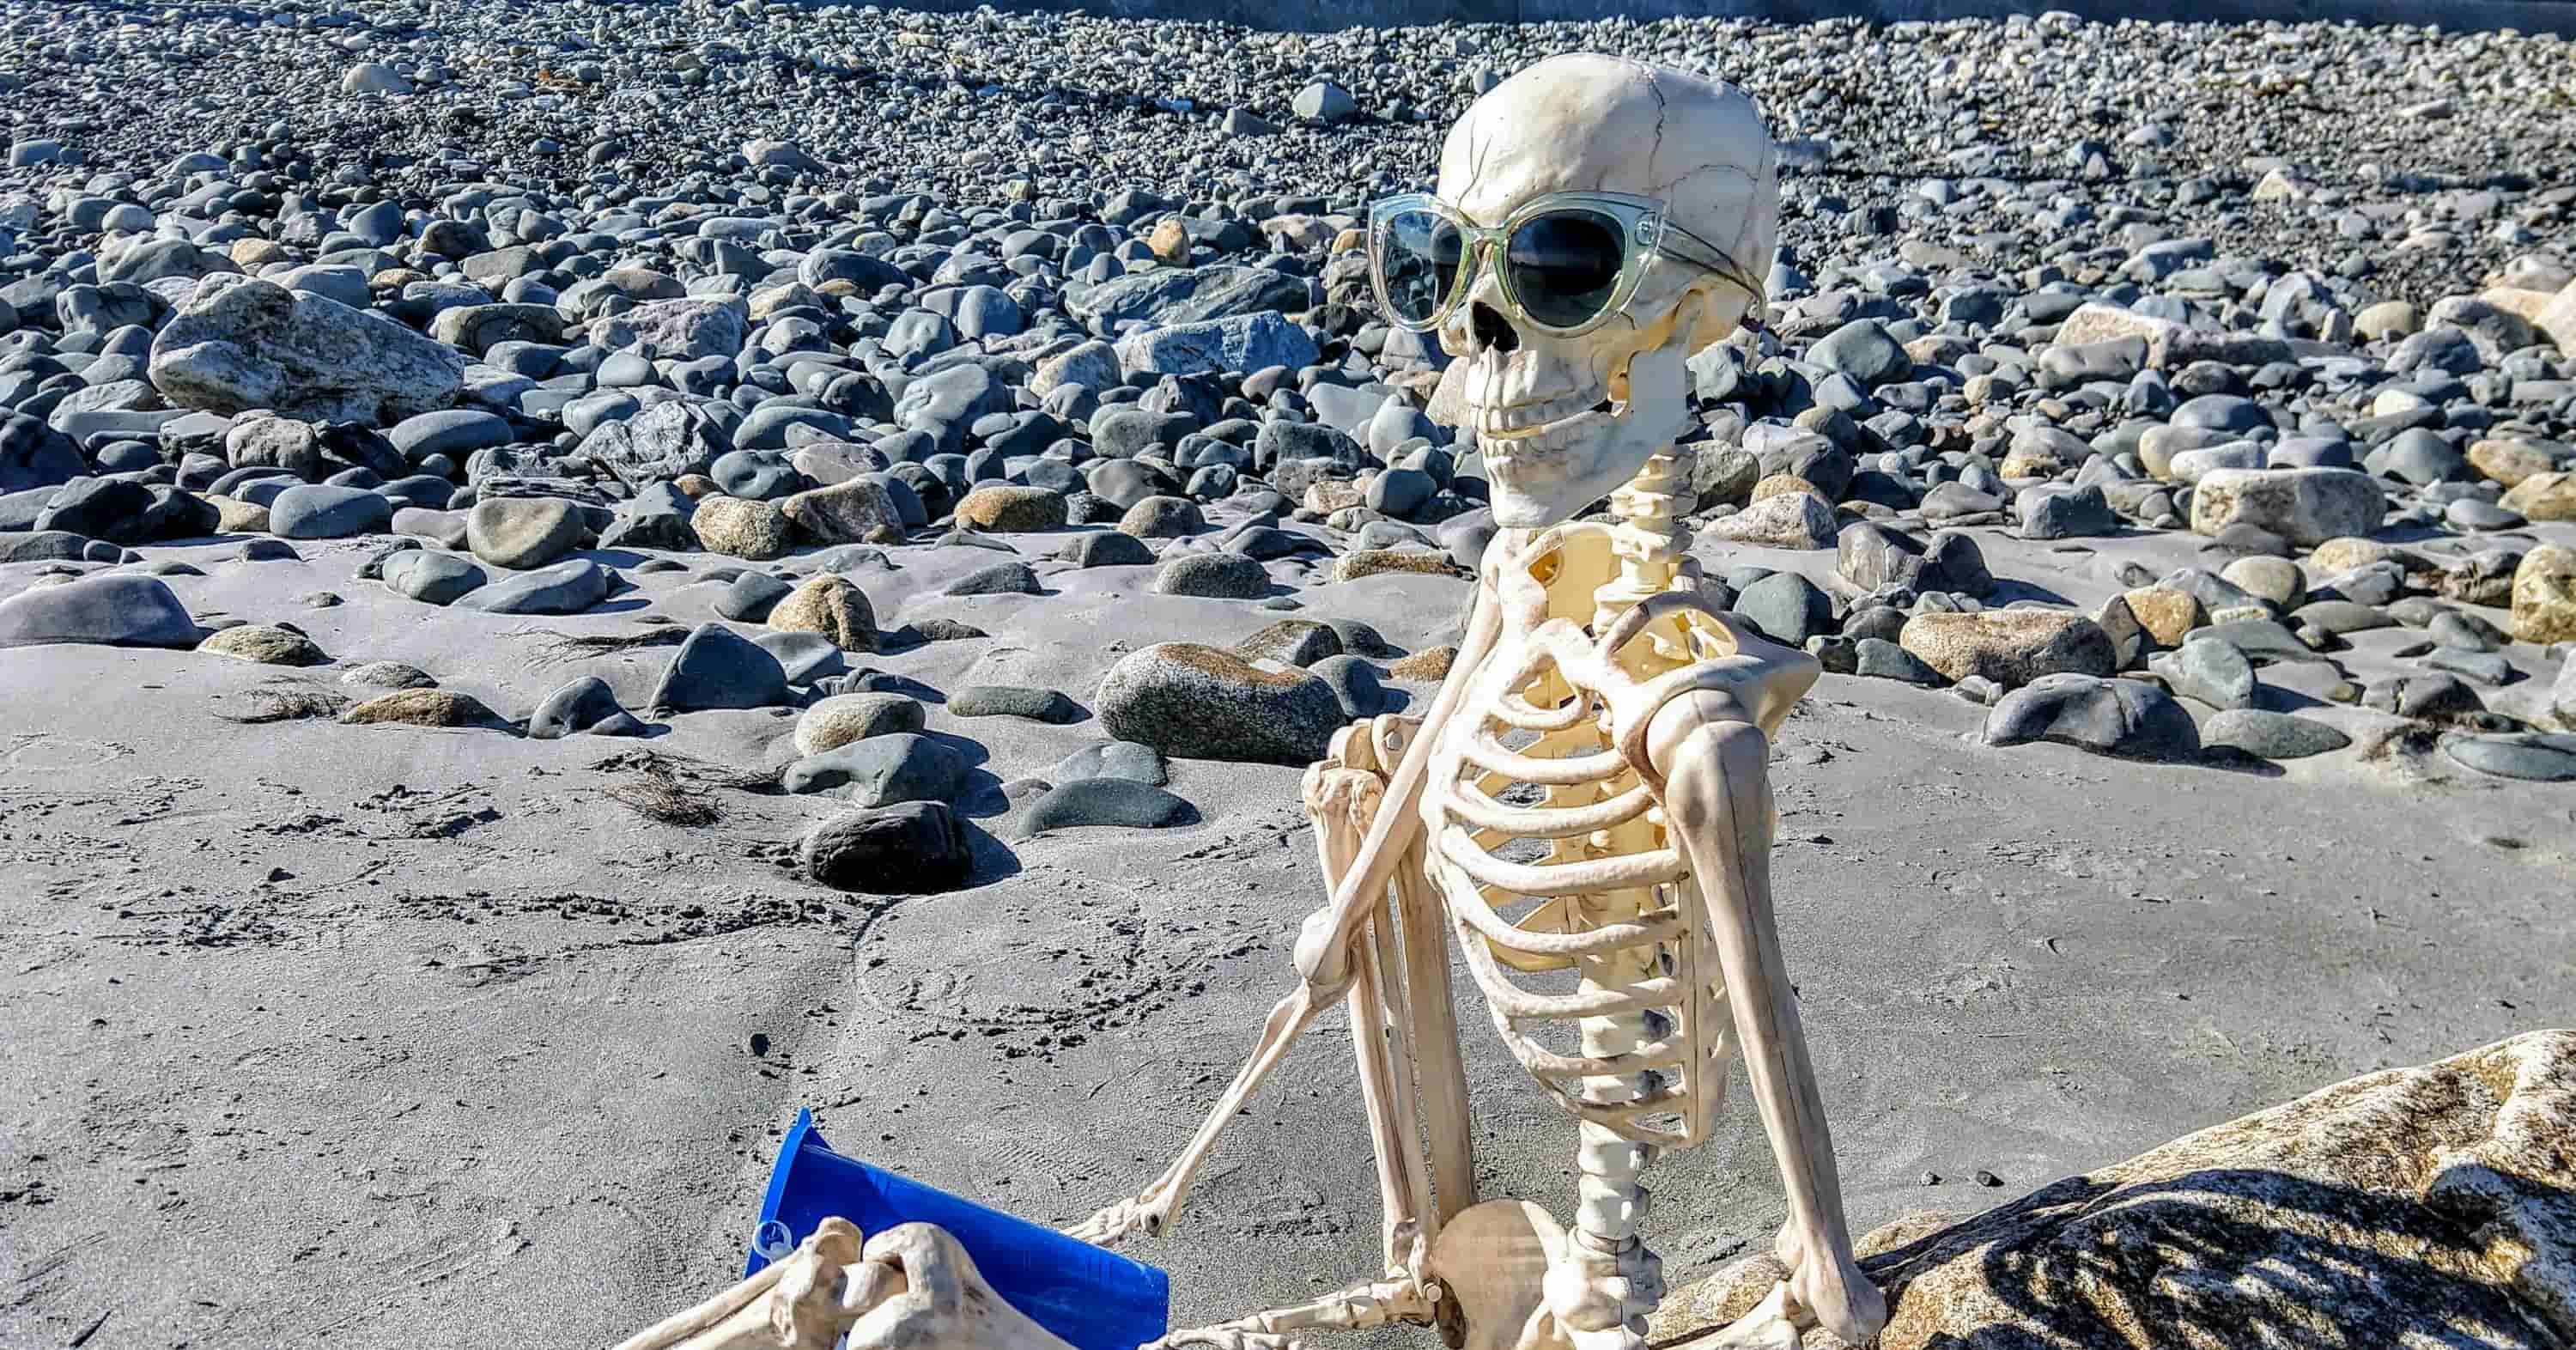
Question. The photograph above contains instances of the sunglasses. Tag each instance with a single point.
(1565, 262)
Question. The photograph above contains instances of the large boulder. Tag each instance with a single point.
(679, 330)
(1011, 508)
(2169, 345)
(1177, 295)
(242, 343)
(742, 527)
(1798, 520)
(523, 533)
(109, 611)
(860, 511)
(662, 442)
(1242, 342)
(2544, 496)
(2129, 718)
(830, 606)
(2305, 506)
(33, 455)
(2012, 647)
(2544, 595)
(719, 668)
(1201, 702)
(2422, 1206)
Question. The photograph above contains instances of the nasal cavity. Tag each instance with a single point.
(1492, 330)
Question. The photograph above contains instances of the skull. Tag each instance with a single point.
(1562, 421)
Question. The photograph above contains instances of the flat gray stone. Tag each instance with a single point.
(2538, 757)
(432, 576)
(2271, 735)
(1112, 759)
(565, 588)
(1108, 801)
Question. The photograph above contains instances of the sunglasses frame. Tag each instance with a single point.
(1646, 233)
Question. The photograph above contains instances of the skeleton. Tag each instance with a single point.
(1598, 712)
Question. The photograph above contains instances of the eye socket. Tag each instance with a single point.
(1565, 265)
(1417, 263)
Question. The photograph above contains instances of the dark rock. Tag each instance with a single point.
(585, 705)
(1005, 700)
(915, 848)
(1008, 578)
(111, 611)
(1108, 801)
(719, 668)
(1354, 683)
(902, 766)
(1787, 607)
(1107, 548)
(2105, 716)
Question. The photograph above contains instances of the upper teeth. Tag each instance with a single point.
(1528, 417)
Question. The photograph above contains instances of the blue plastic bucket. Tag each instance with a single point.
(1095, 1299)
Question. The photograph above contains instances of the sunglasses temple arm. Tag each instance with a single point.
(1701, 253)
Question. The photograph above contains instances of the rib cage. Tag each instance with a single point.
(1556, 709)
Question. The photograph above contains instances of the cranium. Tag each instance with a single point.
(1563, 420)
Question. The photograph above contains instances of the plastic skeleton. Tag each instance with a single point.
(1597, 711)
